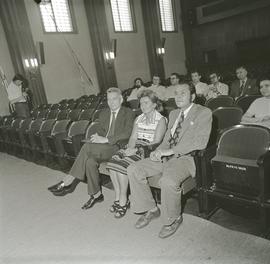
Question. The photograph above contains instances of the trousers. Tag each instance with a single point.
(85, 167)
(173, 173)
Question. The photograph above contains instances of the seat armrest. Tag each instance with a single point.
(264, 159)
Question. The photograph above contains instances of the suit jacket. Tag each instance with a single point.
(123, 126)
(195, 131)
(249, 89)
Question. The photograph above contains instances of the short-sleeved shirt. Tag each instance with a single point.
(215, 91)
(260, 107)
(14, 91)
(159, 90)
(201, 88)
(135, 92)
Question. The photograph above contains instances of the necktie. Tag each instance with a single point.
(175, 137)
(242, 88)
(112, 127)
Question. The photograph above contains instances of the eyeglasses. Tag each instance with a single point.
(172, 78)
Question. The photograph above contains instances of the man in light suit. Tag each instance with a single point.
(188, 130)
(244, 85)
(114, 125)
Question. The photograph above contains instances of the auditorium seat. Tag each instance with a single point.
(5, 123)
(245, 101)
(241, 171)
(77, 128)
(220, 101)
(170, 105)
(224, 117)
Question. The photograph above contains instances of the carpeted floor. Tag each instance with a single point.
(37, 227)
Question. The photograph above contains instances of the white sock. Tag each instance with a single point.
(97, 194)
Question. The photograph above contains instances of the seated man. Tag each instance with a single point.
(200, 87)
(170, 90)
(157, 87)
(216, 87)
(136, 89)
(115, 124)
(259, 110)
(244, 85)
(188, 130)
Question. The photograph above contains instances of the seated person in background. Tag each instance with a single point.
(170, 90)
(216, 87)
(115, 125)
(188, 130)
(243, 85)
(201, 88)
(137, 88)
(149, 128)
(259, 110)
(158, 88)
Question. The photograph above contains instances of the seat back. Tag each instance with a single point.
(62, 114)
(245, 101)
(86, 114)
(235, 166)
(47, 125)
(60, 126)
(246, 142)
(92, 129)
(220, 101)
(24, 125)
(224, 117)
(74, 114)
(52, 114)
(78, 127)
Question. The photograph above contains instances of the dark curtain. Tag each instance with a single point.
(99, 33)
(21, 45)
(152, 36)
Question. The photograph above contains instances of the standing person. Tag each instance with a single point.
(148, 129)
(157, 87)
(201, 88)
(188, 130)
(17, 97)
(28, 94)
(115, 125)
(216, 87)
(243, 85)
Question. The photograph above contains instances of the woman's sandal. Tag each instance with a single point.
(114, 206)
(121, 210)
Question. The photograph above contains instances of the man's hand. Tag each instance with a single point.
(98, 139)
(158, 154)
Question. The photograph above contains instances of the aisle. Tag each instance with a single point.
(37, 227)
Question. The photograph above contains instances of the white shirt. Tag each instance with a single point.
(135, 92)
(170, 92)
(201, 88)
(260, 107)
(14, 91)
(159, 90)
(111, 116)
(178, 118)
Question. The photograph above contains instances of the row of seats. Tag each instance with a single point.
(63, 138)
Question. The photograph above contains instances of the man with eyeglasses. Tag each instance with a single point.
(216, 87)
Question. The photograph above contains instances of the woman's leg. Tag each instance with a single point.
(116, 185)
(123, 181)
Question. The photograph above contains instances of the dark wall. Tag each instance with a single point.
(232, 39)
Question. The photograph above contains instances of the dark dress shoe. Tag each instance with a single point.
(90, 203)
(63, 190)
(55, 186)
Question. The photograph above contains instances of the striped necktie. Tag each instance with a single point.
(175, 137)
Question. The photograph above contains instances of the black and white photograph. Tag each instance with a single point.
(135, 131)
